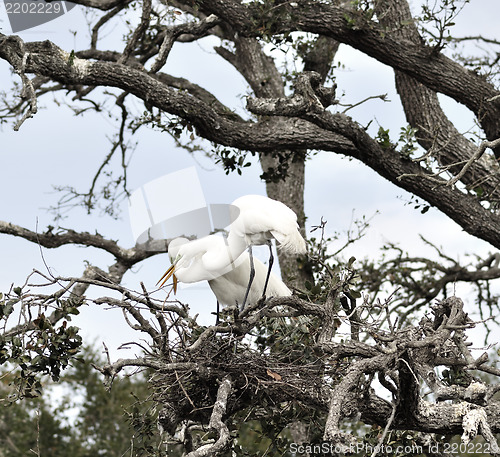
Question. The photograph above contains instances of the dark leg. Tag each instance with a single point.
(252, 275)
(218, 310)
(271, 261)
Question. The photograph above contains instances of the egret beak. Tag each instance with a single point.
(169, 273)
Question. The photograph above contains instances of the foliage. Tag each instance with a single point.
(78, 416)
(408, 138)
(42, 347)
(232, 160)
(439, 17)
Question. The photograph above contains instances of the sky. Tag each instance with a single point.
(56, 148)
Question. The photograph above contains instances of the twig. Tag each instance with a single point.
(111, 370)
(138, 32)
(171, 33)
(476, 156)
(382, 97)
(434, 177)
(184, 390)
(103, 20)
(37, 451)
(206, 334)
(386, 429)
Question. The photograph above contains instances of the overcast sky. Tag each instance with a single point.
(57, 148)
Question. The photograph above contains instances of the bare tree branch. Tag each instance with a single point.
(172, 33)
(217, 424)
(138, 32)
(49, 239)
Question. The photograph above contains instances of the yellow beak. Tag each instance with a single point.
(169, 273)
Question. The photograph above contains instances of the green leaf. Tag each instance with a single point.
(355, 293)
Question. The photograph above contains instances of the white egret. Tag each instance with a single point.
(257, 220)
(211, 258)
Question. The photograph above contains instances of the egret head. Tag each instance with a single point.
(174, 247)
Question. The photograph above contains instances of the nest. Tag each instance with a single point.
(257, 378)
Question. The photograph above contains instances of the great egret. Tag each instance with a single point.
(257, 221)
(210, 258)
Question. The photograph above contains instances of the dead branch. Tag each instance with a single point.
(217, 424)
(207, 333)
(144, 325)
(111, 370)
(476, 421)
(384, 433)
(420, 280)
(477, 155)
(54, 238)
(343, 397)
(435, 178)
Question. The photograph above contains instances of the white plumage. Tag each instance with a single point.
(202, 259)
(234, 276)
(259, 219)
(230, 288)
(196, 260)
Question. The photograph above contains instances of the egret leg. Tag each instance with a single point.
(217, 316)
(252, 275)
(271, 261)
